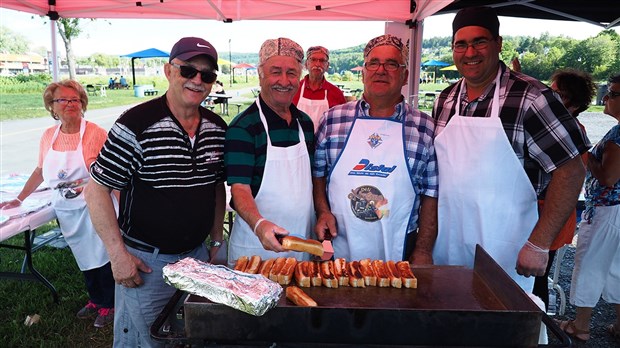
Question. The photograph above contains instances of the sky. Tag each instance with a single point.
(123, 36)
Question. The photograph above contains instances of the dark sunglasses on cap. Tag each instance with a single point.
(189, 72)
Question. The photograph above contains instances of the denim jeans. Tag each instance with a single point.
(137, 308)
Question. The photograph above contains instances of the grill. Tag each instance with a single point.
(452, 306)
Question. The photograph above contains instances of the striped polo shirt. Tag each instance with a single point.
(167, 184)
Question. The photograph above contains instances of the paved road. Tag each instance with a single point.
(19, 139)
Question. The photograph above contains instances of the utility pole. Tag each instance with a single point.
(230, 60)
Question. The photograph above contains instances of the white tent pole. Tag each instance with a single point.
(415, 59)
(54, 57)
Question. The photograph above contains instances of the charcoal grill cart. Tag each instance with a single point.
(452, 306)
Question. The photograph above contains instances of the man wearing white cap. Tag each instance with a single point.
(316, 95)
(374, 170)
(165, 156)
(268, 155)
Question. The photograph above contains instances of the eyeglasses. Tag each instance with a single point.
(189, 72)
(318, 60)
(63, 101)
(388, 66)
(611, 94)
(479, 44)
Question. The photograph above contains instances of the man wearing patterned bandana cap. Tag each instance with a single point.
(316, 94)
(503, 140)
(268, 156)
(374, 170)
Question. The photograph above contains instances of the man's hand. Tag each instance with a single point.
(266, 232)
(532, 260)
(325, 224)
(126, 269)
(419, 257)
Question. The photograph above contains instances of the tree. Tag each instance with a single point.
(69, 29)
(12, 42)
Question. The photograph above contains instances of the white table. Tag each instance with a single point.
(26, 221)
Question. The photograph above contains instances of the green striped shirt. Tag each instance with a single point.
(246, 142)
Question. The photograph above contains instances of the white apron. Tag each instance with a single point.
(66, 172)
(485, 196)
(284, 198)
(370, 192)
(314, 108)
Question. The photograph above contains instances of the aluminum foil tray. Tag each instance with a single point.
(249, 293)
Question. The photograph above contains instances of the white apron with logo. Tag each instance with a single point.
(284, 198)
(67, 174)
(485, 196)
(370, 192)
(314, 108)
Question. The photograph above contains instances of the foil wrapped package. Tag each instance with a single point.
(250, 293)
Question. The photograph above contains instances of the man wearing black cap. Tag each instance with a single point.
(503, 140)
(165, 156)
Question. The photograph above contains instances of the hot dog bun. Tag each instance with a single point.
(286, 272)
(314, 270)
(356, 279)
(253, 265)
(341, 271)
(394, 274)
(241, 263)
(406, 275)
(276, 268)
(368, 272)
(383, 279)
(313, 247)
(327, 273)
(265, 267)
(299, 297)
(302, 275)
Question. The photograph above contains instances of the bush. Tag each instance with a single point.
(22, 83)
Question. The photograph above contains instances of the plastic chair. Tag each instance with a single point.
(91, 90)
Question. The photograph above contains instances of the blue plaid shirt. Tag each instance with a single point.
(334, 130)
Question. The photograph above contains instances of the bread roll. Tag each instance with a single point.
(327, 273)
(253, 265)
(314, 269)
(265, 267)
(302, 275)
(299, 297)
(341, 271)
(368, 272)
(286, 272)
(241, 263)
(394, 274)
(276, 268)
(356, 279)
(383, 279)
(406, 275)
(313, 247)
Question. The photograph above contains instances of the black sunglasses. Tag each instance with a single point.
(189, 72)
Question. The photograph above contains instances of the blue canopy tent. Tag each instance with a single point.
(148, 53)
(435, 64)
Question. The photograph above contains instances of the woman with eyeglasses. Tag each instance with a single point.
(66, 151)
(597, 258)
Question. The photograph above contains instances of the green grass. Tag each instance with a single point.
(58, 326)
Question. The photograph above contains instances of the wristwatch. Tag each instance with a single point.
(215, 243)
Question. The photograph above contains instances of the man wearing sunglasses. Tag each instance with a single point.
(316, 95)
(268, 156)
(503, 140)
(374, 170)
(165, 156)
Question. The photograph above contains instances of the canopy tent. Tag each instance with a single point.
(408, 14)
(147, 53)
(244, 66)
(435, 63)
